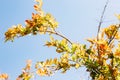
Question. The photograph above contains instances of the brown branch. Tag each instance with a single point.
(56, 33)
(101, 19)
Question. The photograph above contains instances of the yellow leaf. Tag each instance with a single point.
(91, 41)
(48, 44)
(64, 42)
(118, 16)
(55, 61)
(59, 50)
(77, 65)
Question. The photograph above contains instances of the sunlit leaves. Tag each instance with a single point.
(38, 7)
(40, 23)
(103, 53)
(26, 72)
(3, 76)
(117, 51)
(14, 31)
(47, 67)
(78, 52)
(112, 31)
(61, 45)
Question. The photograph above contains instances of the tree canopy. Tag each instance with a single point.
(100, 57)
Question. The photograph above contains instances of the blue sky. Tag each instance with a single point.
(78, 20)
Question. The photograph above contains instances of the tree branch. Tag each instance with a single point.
(56, 33)
(101, 19)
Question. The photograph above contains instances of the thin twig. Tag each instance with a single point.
(54, 32)
(101, 19)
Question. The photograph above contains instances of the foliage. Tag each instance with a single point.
(3, 76)
(101, 57)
